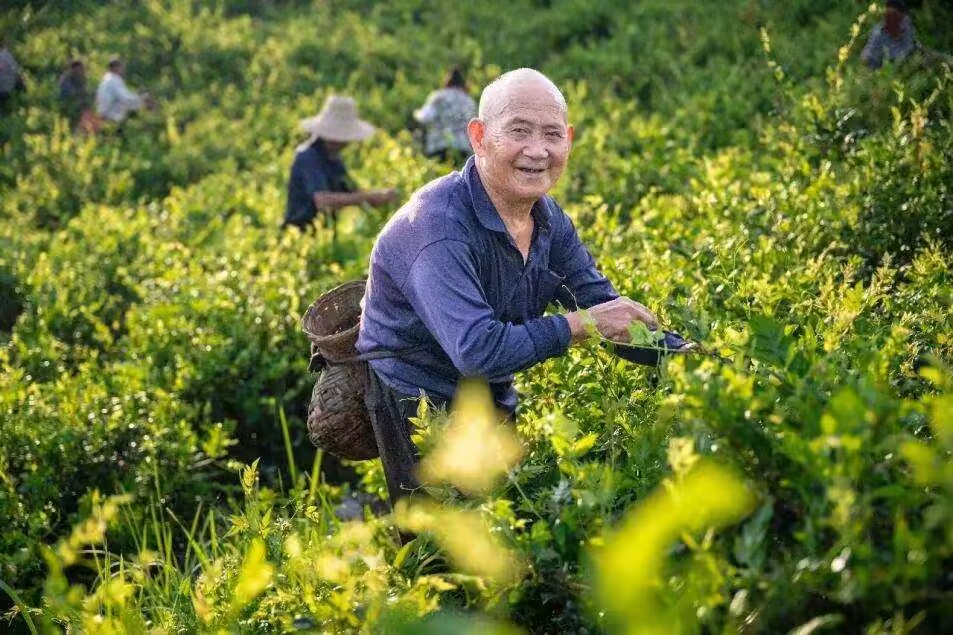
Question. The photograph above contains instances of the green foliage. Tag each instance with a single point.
(735, 169)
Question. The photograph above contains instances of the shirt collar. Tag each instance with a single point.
(485, 210)
(326, 157)
(320, 149)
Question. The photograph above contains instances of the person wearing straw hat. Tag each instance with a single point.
(461, 275)
(319, 180)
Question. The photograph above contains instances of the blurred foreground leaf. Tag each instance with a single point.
(630, 567)
(255, 576)
(465, 537)
(476, 448)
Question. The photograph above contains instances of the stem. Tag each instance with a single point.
(20, 605)
(292, 468)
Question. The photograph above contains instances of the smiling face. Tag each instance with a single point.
(521, 141)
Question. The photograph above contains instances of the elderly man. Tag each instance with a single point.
(319, 180)
(461, 275)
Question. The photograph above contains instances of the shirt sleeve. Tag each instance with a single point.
(872, 55)
(428, 112)
(126, 97)
(444, 290)
(571, 258)
(312, 177)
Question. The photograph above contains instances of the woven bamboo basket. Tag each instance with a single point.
(338, 420)
(337, 417)
(333, 321)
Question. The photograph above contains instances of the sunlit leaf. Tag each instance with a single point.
(640, 335)
(476, 449)
(942, 419)
(255, 575)
(465, 537)
(630, 565)
(681, 454)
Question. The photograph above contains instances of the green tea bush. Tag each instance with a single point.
(61, 437)
(11, 299)
(908, 200)
(733, 169)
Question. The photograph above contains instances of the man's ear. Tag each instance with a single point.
(572, 134)
(476, 130)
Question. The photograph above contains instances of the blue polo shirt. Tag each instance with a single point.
(449, 293)
(314, 170)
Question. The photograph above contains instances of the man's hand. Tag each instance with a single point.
(611, 319)
(149, 101)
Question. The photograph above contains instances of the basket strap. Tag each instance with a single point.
(318, 362)
(366, 357)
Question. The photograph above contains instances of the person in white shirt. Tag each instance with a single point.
(114, 101)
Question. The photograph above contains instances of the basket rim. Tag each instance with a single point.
(325, 298)
(319, 339)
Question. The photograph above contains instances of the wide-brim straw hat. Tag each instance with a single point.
(337, 121)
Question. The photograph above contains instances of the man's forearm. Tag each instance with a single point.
(337, 200)
(580, 326)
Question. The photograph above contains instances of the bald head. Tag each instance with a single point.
(521, 139)
(515, 85)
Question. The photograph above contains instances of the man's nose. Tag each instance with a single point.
(535, 148)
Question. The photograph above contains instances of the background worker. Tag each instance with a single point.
(319, 179)
(73, 92)
(893, 39)
(445, 116)
(11, 81)
(114, 100)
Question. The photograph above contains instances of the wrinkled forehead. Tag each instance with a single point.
(532, 100)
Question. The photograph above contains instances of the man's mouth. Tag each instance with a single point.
(531, 170)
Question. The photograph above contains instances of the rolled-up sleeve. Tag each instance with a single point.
(444, 290)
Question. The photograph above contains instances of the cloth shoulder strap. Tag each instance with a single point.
(318, 361)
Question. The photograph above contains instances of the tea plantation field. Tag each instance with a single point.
(736, 169)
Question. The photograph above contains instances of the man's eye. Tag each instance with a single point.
(521, 131)
(554, 135)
